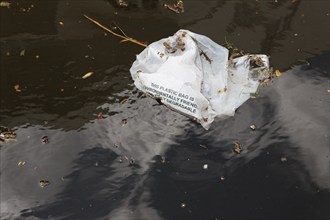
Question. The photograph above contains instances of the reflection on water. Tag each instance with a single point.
(142, 160)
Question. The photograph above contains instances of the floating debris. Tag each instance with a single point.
(177, 7)
(96, 164)
(203, 146)
(6, 134)
(61, 23)
(253, 127)
(43, 183)
(115, 34)
(22, 53)
(254, 95)
(87, 75)
(237, 148)
(122, 3)
(278, 73)
(131, 161)
(223, 90)
(5, 4)
(17, 89)
(183, 205)
(44, 139)
(21, 163)
(205, 167)
(163, 159)
(123, 122)
(222, 178)
(37, 56)
(123, 101)
(100, 115)
(283, 159)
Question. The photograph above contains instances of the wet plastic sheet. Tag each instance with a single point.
(192, 74)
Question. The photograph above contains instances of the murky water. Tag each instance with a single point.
(142, 160)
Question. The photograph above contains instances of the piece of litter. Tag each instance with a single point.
(87, 75)
(205, 167)
(253, 127)
(100, 115)
(61, 23)
(222, 178)
(22, 53)
(43, 183)
(195, 77)
(183, 205)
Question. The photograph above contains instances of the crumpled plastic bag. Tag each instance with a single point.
(190, 73)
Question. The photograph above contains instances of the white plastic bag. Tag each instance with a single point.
(191, 74)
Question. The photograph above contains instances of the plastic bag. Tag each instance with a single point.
(190, 73)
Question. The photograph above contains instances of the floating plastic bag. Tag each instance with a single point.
(192, 74)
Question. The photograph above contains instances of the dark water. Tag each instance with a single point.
(152, 166)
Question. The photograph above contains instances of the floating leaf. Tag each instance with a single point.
(222, 90)
(17, 89)
(5, 4)
(237, 148)
(22, 53)
(87, 75)
(278, 73)
(254, 95)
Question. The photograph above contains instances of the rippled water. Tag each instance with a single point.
(142, 160)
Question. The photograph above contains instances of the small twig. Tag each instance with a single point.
(117, 35)
(120, 29)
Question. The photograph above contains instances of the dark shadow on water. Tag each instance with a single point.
(263, 187)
